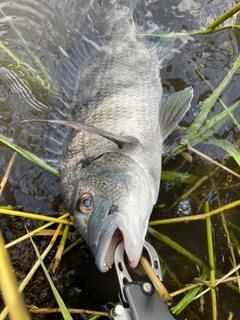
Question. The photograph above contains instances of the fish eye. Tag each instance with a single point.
(85, 203)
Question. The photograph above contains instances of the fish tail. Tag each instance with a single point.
(156, 36)
(112, 17)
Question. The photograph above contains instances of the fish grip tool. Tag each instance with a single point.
(139, 300)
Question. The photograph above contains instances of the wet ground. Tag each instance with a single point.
(34, 190)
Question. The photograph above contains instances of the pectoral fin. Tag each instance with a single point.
(173, 109)
(121, 141)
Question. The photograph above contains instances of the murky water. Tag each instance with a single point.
(50, 30)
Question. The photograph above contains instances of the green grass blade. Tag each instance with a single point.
(226, 15)
(34, 216)
(189, 296)
(28, 155)
(177, 247)
(228, 147)
(182, 177)
(182, 34)
(206, 130)
(211, 258)
(46, 81)
(210, 101)
(61, 304)
(210, 126)
(229, 111)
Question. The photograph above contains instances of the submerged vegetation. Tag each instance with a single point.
(208, 278)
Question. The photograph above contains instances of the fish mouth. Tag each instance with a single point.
(108, 241)
(115, 231)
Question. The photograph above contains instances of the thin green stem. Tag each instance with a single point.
(35, 216)
(72, 245)
(66, 315)
(196, 217)
(230, 246)
(58, 256)
(64, 236)
(26, 236)
(181, 34)
(234, 240)
(233, 226)
(177, 247)
(49, 83)
(26, 154)
(224, 16)
(211, 262)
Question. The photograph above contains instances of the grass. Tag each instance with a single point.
(39, 74)
(9, 286)
(200, 131)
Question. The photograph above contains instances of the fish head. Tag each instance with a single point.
(111, 203)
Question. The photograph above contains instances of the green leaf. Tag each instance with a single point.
(210, 127)
(210, 101)
(182, 177)
(62, 306)
(228, 147)
(30, 156)
(189, 296)
(182, 34)
(42, 76)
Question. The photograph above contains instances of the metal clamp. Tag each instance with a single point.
(139, 300)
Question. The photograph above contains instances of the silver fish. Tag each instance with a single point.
(111, 165)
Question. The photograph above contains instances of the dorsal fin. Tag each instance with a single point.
(173, 109)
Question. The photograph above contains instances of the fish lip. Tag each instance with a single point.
(108, 241)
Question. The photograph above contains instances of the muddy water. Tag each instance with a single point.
(48, 29)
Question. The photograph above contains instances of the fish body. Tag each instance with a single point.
(110, 186)
(121, 97)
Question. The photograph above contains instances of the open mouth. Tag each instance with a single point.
(116, 239)
(116, 229)
(109, 239)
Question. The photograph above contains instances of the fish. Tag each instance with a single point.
(111, 164)
(116, 127)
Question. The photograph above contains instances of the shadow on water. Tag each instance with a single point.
(47, 33)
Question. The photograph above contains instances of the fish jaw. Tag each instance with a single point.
(114, 232)
(104, 239)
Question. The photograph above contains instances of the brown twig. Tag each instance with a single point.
(220, 280)
(210, 159)
(156, 281)
(6, 175)
(34, 309)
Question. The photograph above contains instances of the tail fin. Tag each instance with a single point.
(165, 47)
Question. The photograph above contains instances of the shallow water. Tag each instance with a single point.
(50, 29)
